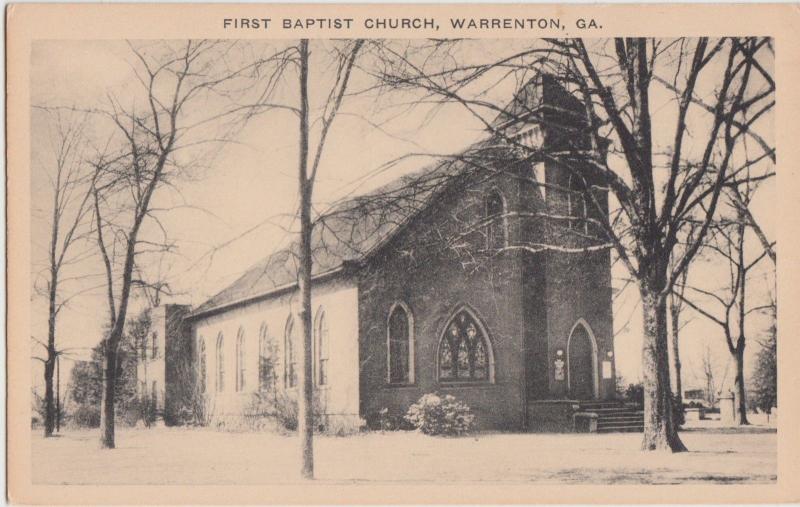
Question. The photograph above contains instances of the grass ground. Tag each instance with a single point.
(200, 456)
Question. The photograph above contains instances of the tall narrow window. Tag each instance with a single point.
(220, 363)
(576, 203)
(154, 348)
(264, 359)
(240, 361)
(495, 221)
(464, 351)
(400, 345)
(323, 348)
(290, 363)
(201, 365)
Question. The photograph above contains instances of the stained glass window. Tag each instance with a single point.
(463, 351)
(399, 346)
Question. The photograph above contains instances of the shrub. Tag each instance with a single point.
(634, 393)
(86, 416)
(344, 426)
(440, 415)
(387, 420)
(286, 411)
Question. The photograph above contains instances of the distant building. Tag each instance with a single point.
(438, 282)
(164, 370)
(697, 396)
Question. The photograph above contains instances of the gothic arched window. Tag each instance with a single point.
(201, 365)
(290, 362)
(496, 230)
(154, 348)
(400, 345)
(220, 363)
(464, 351)
(264, 360)
(240, 361)
(322, 348)
(576, 204)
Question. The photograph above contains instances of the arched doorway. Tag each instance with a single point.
(582, 363)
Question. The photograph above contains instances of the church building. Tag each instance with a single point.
(483, 276)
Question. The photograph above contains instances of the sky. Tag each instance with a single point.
(234, 211)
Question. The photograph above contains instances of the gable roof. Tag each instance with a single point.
(348, 233)
(355, 228)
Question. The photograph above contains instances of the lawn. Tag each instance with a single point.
(200, 456)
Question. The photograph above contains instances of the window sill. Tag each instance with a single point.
(399, 385)
(471, 383)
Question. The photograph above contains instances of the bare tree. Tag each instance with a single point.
(707, 364)
(308, 166)
(729, 307)
(675, 311)
(69, 178)
(186, 87)
(658, 195)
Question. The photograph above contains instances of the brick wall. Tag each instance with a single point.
(434, 280)
(529, 297)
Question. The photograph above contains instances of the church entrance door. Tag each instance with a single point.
(581, 369)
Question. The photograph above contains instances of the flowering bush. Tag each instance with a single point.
(440, 415)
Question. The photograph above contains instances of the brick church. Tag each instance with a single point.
(481, 276)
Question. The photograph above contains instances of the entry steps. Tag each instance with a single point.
(614, 416)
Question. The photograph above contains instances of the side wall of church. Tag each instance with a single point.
(434, 280)
(339, 396)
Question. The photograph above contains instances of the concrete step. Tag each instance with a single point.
(615, 420)
(621, 429)
(613, 417)
(600, 406)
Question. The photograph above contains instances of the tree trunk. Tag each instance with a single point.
(58, 394)
(49, 405)
(740, 401)
(675, 315)
(660, 432)
(107, 401)
(50, 362)
(305, 416)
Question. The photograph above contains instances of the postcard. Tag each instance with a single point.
(402, 253)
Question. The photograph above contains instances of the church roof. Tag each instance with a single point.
(347, 233)
(355, 228)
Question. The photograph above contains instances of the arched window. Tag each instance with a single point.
(154, 348)
(322, 348)
(400, 345)
(290, 352)
(264, 359)
(465, 353)
(576, 204)
(220, 363)
(240, 361)
(496, 229)
(201, 365)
